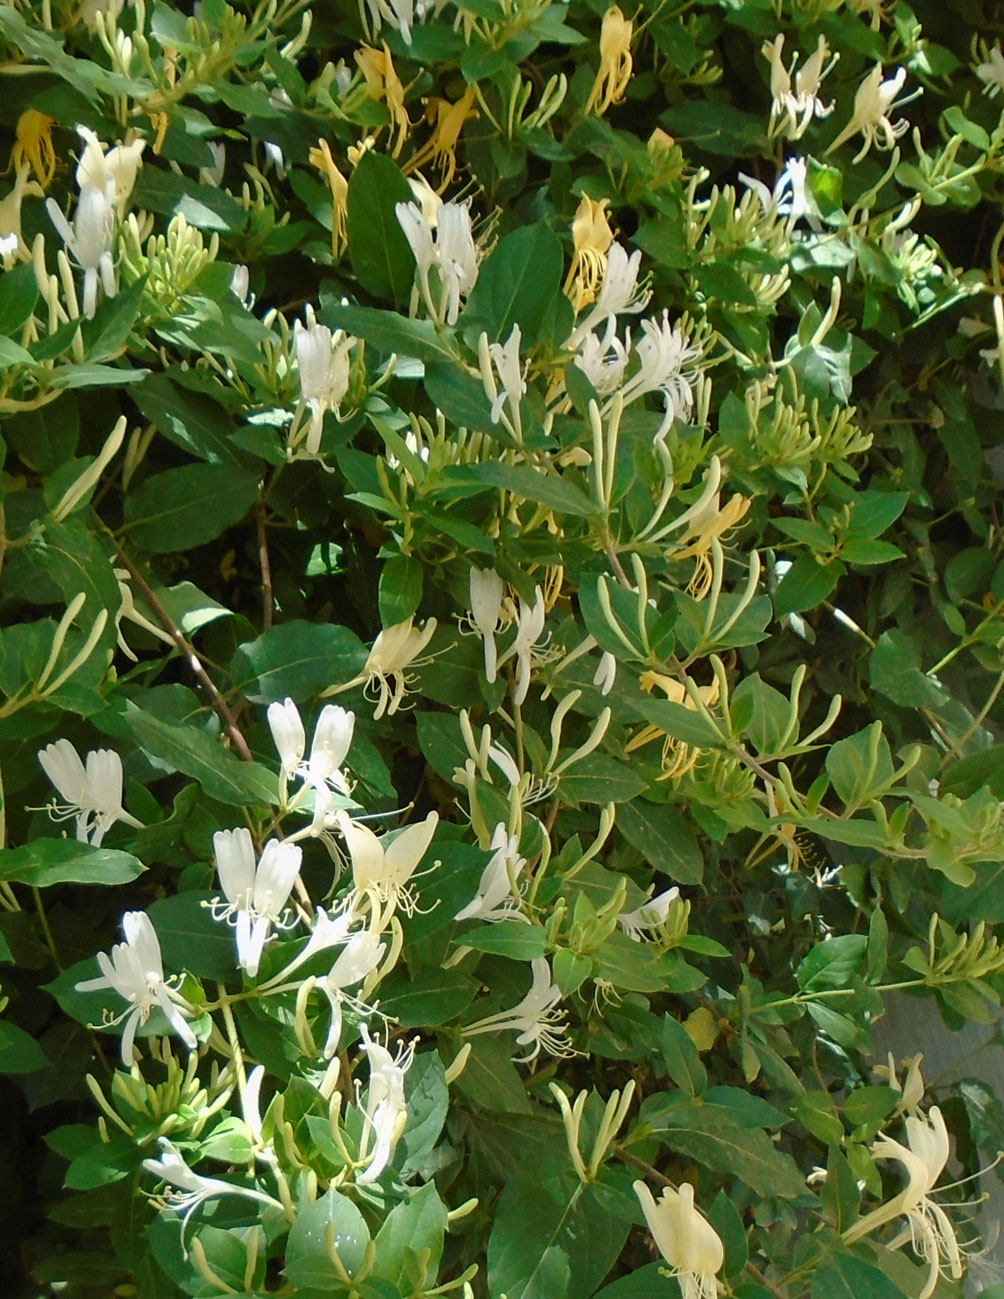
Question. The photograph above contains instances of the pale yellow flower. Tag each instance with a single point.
(686, 1240)
(33, 146)
(615, 62)
(592, 237)
(708, 525)
(677, 758)
(383, 83)
(447, 122)
(320, 157)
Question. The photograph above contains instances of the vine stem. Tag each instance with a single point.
(265, 566)
(190, 656)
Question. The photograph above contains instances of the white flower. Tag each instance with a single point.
(136, 972)
(603, 360)
(384, 1110)
(796, 109)
(606, 673)
(383, 872)
(874, 101)
(331, 742)
(453, 254)
(192, 1189)
(93, 793)
(358, 959)
(529, 637)
(650, 915)
(402, 14)
(384, 676)
(112, 172)
(486, 588)
(213, 175)
(255, 896)
(290, 738)
(536, 1018)
(991, 73)
(789, 197)
(619, 292)
(662, 354)
(496, 898)
(324, 365)
(504, 357)
(927, 1227)
(328, 932)
(686, 1240)
(90, 240)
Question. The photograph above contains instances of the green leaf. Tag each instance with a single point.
(388, 332)
(847, 1277)
(428, 1101)
(298, 660)
(805, 585)
(834, 963)
(415, 1227)
(179, 509)
(662, 834)
(894, 669)
(683, 1063)
(816, 1112)
(598, 779)
(509, 938)
(428, 999)
(552, 490)
(709, 1134)
(45, 862)
(381, 255)
(400, 589)
(332, 1222)
(190, 750)
(190, 939)
(516, 286)
(188, 418)
(18, 295)
(19, 1052)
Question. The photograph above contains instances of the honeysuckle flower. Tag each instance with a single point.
(256, 896)
(384, 675)
(537, 1018)
(290, 738)
(328, 931)
(663, 354)
(10, 214)
(619, 292)
(650, 915)
(89, 10)
(911, 1090)
(113, 172)
(331, 742)
(127, 608)
(33, 148)
(384, 872)
(614, 72)
(795, 109)
(677, 758)
(357, 960)
(591, 237)
(383, 83)
(487, 590)
(240, 283)
(400, 14)
(320, 157)
(502, 359)
(496, 898)
(93, 793)
(606, 673)
(90, 241)
(384, 1110)
(530, 636)
(135, 971)
(874, 101)
(213, 174)
(324, 366)
(928, 1227)
(685, 1239)
(441, 147)
(991, 71)
(450, 252)
(604, 361)
(193, 1189)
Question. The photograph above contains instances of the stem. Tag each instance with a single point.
(266, 568)
(190, 657)
(236, 1054)
(50, 942)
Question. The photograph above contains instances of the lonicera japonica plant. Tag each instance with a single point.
(501, 658)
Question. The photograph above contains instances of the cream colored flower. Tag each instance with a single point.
(384, 676)
(873, 103)
(592, 237)
(615, 62)
(686, 1240)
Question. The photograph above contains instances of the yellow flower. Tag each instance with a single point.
(686, 1240)
(10, 213)
(592, 236)
(33, 146)
(677, 758)
(320, 157)
(615, 62)
(709, 524)
(441, 147)
(383, 83)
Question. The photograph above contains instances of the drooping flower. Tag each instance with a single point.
(991, 71)
(537, 1018)
(650, 915)
(384, 872)
(256, 896)
(591, 237)
(357, 960)
(873, 103)
(90, 241)
(324, 366)
(384, 1110)
(928, 1227)
(685, 1238)
(530, 637)
(93, 793)
(135, 971)
(383, 83)
(193, 1189)
(606, 673)
(792, 110)
(441, 147)
(614, 72)
(663, 354)
(384, 674)
(331, 742)
(33, 147)
(444, 246)
(487, 590)
(496, 898)
(604, 360)
(113, 171)
(320, 157)
(619, 293)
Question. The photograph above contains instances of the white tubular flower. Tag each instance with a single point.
(192, 1189)
(662, 354)
(686, 1240)
(384, 676)
(324, 365)
(328, 931)
(384, 1111)
(255, 896)
(928, 1227)
(619, 293)
(874, 101)
(213, 175)
(497, 895)
(331, 742)
(358, 959)
(290, 739)
(796, 109)
(90, 240)
(112, 172)
(135, 971)
(529, 634)
(604, 360)
(650, 915)
(453, 254)
(537, 1019)
(606, 673)
(382, 872)
(505, 358)
(486, 613)
(991, 72)
(93, 793)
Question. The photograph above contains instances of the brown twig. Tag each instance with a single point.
(190, 656)
(266, 568)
